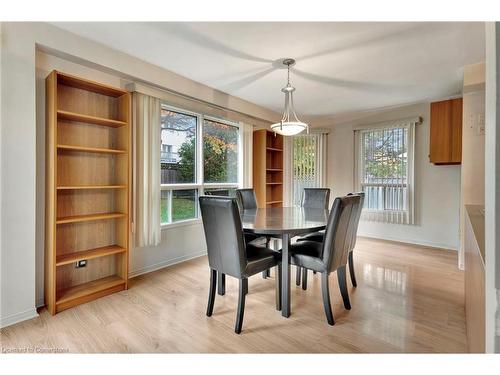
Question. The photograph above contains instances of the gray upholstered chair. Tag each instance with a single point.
(247, 201)
(312, 198)
(332, 253)
(316, 198)
(318, 237)
(229, 254)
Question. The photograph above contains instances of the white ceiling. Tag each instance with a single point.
(341, 67)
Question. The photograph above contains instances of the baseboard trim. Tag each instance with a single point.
(166, 263)
(18, 317)
(409, 241)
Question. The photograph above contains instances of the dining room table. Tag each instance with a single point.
(284, 223)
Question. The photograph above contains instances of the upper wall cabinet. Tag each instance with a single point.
(446, 132)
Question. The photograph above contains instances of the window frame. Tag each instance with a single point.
(199, 183)
(388, 216)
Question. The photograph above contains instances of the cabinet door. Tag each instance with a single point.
(456, 130)
(446, 132)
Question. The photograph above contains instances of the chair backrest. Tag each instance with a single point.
(316, 198)
(246, 199)
(339, 229)
(358, 216)
(224, 235)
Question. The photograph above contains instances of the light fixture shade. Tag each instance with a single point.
(290, 123)
(289, 128)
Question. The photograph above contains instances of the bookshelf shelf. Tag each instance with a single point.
(78, 117)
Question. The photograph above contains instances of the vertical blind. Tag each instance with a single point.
(308, 163)
(385, 172)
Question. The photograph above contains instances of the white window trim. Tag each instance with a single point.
(200, 185)
(394, 217)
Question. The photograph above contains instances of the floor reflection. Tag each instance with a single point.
(385, 278)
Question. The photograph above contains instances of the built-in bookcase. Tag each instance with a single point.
(87, 190)
(268, 168)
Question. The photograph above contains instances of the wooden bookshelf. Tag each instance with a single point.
(87, 190)
(268, 168)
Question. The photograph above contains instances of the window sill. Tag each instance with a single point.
(183, 223)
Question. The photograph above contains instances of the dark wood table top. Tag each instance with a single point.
(284, 220)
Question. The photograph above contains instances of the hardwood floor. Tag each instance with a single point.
(408, 299)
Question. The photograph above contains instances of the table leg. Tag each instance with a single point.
(285, 276)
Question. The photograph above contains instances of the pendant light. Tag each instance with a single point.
(290, 123)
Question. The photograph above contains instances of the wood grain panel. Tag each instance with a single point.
(72, 99)
(50, 191)
(77, 133)
(446, 132)
(259, 166)
(85, 202)
(474, 287)
(456, 130)
(86, 235)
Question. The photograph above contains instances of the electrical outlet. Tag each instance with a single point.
(81, 263)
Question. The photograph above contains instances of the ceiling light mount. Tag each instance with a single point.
(290, 123)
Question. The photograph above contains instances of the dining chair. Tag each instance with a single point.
(361, 195)
(312, 198)
(332, 253)
(318, 237)
(247, 201)
(229, 254)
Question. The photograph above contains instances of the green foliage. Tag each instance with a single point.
(220, 154)
(387, 155)
(304, 156)
(187, 155)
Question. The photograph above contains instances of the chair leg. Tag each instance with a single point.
(267, 273)
(241, 305)
(326, 298)
(211, 293)
(351, 270)
(278, 287)
(304, 278)
(221, 281)
(341, 276)
(297, 276)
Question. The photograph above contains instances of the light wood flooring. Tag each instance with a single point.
(408, 299)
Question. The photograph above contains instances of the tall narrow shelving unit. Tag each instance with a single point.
(87, 190)
(268, 168)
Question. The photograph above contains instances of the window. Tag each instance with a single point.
(308, 163)
(384, 171)
(304, 165)
(199, 155)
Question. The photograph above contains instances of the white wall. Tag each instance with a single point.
(22, 161)
(437, 188)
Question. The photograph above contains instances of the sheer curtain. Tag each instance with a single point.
(146, 169)
(246, 152)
